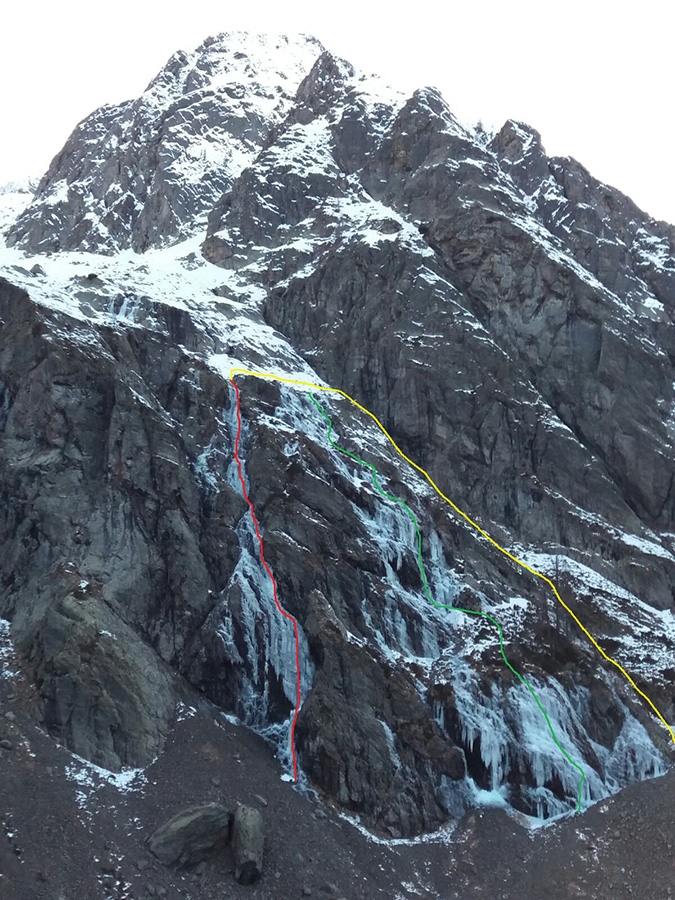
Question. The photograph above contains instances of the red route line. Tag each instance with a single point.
(272, 579)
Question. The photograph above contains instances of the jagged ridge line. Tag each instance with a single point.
(273, 580)
(471, 612)
(519, 562)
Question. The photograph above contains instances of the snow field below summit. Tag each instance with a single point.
(15, 196)
(128, 286)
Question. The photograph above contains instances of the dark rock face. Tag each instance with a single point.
(508, 318)
(101, 572)
(145, 173)
(346, 734)
(496, 279)
(192, 835)
(248, 842)
(603, 229)
(427, 276)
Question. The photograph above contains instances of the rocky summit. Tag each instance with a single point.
(451, 637)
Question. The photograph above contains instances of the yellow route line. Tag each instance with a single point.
(519, 562)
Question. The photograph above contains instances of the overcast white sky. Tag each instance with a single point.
(594, 77)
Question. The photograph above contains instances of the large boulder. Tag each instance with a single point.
(248, 838)
(192, 836)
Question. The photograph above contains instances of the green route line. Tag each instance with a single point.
(470, 612)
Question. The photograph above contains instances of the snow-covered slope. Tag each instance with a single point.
(15, 196)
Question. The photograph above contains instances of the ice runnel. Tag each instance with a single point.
(257, 638)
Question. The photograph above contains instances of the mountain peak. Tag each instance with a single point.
(254, 476)
(146, 172)
(324, 86)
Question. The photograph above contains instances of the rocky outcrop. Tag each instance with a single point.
(629, 253)
(191, 836)
(102, 690)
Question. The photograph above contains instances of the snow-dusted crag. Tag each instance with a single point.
(510, 320)
(146, 172)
